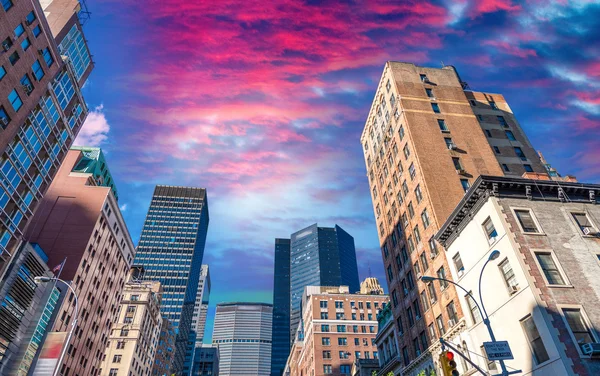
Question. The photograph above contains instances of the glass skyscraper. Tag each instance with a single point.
(281, 307)
(170, 250)
(318, 256)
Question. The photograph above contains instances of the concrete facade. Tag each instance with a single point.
(339, 329)
(135, 332)
(541, 292)
(82, 223)
(424, 145)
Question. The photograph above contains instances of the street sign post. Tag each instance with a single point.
(498, 350)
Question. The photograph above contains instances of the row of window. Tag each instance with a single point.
(343, 341)
(340, 304)
(325, 328)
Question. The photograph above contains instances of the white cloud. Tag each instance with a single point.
(592, 108)
(572, 76)
(95, 129)
(123, 207)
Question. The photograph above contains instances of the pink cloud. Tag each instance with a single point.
(490, 6)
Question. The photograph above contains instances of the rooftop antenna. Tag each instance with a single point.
(369, 263)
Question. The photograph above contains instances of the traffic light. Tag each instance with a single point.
(448, 364)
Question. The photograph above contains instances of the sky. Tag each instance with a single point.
(263, 102)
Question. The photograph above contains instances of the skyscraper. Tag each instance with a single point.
(196, 335)
(41, 106)
(313, 256)
(171, 248)
(320, 256)
(426, 138)
(281, 307)
(79, 223)
(242, 331)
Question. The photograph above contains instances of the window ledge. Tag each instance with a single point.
(534, 233)
(560, 286)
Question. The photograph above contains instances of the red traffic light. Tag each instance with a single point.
(449, 355)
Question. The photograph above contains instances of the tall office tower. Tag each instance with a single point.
(171, 248)
(41, 106)
(242, 331)
(206, 361)
(79, 223)
(371, 286)
(281, 307)
(426, 138)
(196, 335)
(135, 332)
(339, 330)
(320, 256)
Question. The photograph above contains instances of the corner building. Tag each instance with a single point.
(171, 248)
(426, 138)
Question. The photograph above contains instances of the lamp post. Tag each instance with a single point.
(486, 320)
(44, 279)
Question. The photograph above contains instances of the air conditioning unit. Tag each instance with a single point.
(461, 171)
(452, 146)
(4, 121)
(589, 231)
(592, 349)
(5, 46)
(28, 88)
(514, 289)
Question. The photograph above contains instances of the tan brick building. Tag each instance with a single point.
(426, 139)
(339, 328)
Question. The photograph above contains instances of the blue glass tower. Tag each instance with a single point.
(280, 349)
(317, 256)
(170, 250)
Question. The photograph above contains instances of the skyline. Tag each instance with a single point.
(270, 101)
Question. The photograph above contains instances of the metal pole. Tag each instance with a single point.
(446, 343)
(73, 324)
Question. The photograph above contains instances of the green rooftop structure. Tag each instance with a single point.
(93, 162)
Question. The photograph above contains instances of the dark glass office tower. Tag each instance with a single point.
(281, 307)
(170, 250)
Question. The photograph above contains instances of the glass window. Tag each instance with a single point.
(19, 30)
(497, 150)
(441, 273)
(30, 18)
(26, 84)
(14, 58)
(505, 167)
(510, 135)
(48, 57)
(442, 125)
(424, 300)
(465, 184)
(584, 223)
(4, 119)
(535, 340)
(451, 310)
(327, 369)
(390, 273)
(458, 264)
(412, 171)
(475, 314)
(325, 341)
(456, 162)
(435, 107)
(38, 72)
(493, 105)
(25, 44)
(449, 143)
(2, 72)
(423, 77)
(7, 4)
(423, 258)
(578, 326)
(553, 275)
(326, 354)
(406, 151)
(15, 100)
(528, 168)
(526, 220)
(37, 31)
(509, 276)
(490, 230)
(440, 324)
(519, 153)
(429, 93)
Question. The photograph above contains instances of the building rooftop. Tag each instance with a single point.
(93, 162)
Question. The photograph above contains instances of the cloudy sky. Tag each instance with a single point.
(263, 103)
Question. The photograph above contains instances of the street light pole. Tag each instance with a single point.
(486, 319)
(44, 279)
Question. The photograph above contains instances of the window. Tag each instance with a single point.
(388, 86)
(440, 324)
(113, 372)
(429, 93)
(324, 316)
(416, 347)
(135, 298)
(424, 300)
(584, 223)
(441, 273)
(497, 150)
(124, 332)
(7, 4)
(343, 355)
(417, 309)
(442, 125)
(406, 151)
(449, 143)
(395, 298)
(423, 258)
(493, 105)
(526, 221)
(465, 184)
(19, 30)
(400, 326)
(411, 244)
(578, 326)
(405, 187)
(30, 18)
(392, 103)
(339, 304)
(342, 341)
(398, 263)
(47, 57)
(418, 193)
(37, 31)
(345, 368)
(458, 264)
(15, 100)
(120, 345)
(117, 359)
(502, 121)
(490, 230)
(411, 319)
(26, 84)
(550, 269)
(433, 248)
(411, 210)
(510, 135)
(417, 234)
(423, 78)
(535, 340)
(505, 167)
(456, 162)
(327, 369)
(14, 58)
(451, 310)
(491, 365)
(326, 354)
(323, 304)
(473, 103)
(404, 254)
(2, 72)
(390, 274)
(431, 329)
(325, 328)
(25, 44)
(325, 341)
(38, 72)
(412, 171)
(435, 107)
(401, 132)
(520, 153)
(509, 276)
(475, 314)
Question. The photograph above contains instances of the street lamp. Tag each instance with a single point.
(44, 279)
(486, 319)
